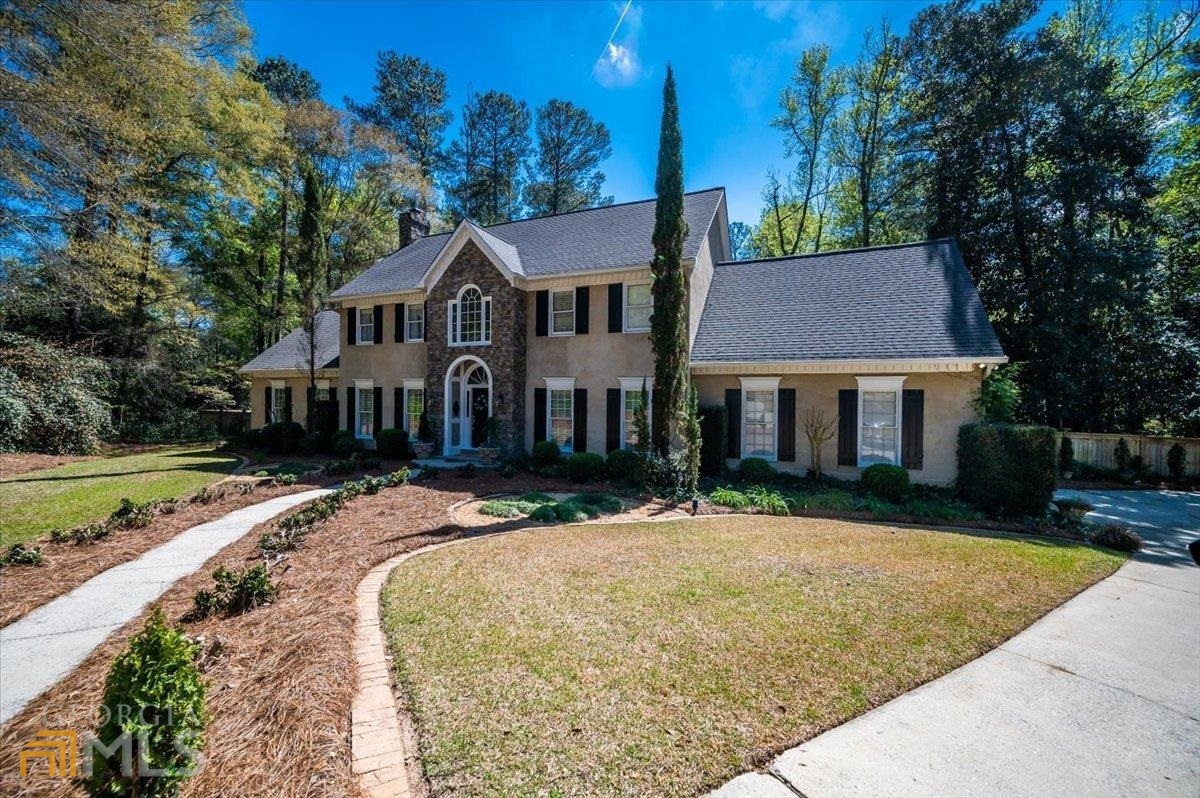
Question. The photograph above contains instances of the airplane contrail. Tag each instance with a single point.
(616, 27)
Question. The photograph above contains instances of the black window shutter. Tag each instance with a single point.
(377, 420)
(912, 437)
(267, 418)
(398, 408)
(350, 408)
(541, 325)
(733, 406)
(539, 414)
(400, 326)
(351, 326)
(616, 301)
(579, 434)
(287, 404)
(581, 310)
(786, 429)
(612, 435)
(310, 396)
(378, 310)
(848, 427)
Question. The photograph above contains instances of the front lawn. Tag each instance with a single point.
(36, 502)
(664, 658)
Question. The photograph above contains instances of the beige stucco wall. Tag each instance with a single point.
(947, 407)
(299, 386)
(596, 361)
(388, 364)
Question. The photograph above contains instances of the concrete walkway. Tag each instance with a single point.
(39, 649)
(1099, 698)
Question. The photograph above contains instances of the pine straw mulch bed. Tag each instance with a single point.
(17, 463)
(68, 565)
(280, 691)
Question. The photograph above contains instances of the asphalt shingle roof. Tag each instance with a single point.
(895, 302)
(597, 238)
(291, 351)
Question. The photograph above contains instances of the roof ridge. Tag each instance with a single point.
(596, 208)
(849, 251)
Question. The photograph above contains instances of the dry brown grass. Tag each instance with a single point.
(280, 695)
(664, 658)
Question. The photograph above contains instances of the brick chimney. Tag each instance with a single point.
(413, 225)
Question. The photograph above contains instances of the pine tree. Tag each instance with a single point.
(668, 322)
(565, 175)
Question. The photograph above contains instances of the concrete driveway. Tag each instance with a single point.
(1099, 698)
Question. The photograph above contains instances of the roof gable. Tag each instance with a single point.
(500, 252)
(291, 352)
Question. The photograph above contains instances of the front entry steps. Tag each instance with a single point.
(450, 462)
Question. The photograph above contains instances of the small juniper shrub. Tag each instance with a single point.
(568, 513)
(154, 692)
(889, 482)
(1177, 461)
(544, 513)
(1121, 455)
(585, 467)
(755, 470)
(1137, 466)
(1066, 455)
(1115, 536)
(235, 592)
(500, 509)
(20, 554)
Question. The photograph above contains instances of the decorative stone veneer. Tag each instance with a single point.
(505, 356)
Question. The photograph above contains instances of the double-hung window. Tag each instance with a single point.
(639, 304)
(322, 392)
(278, 401)
(414, 405)
(366, 325)
(365, 393)
(760, 404)
(560, 412)
(631, 400)
(470, 318)
(562, 312)
(414, 318)
(879, 420)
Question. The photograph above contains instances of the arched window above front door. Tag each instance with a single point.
(469, 318)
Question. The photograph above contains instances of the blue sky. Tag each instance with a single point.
(730, 58)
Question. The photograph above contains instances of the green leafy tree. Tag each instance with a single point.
(565, 175)
(487, 159)
(668, 322)
(410, 101)
(286, 81)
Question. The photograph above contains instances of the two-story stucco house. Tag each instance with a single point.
(543, 323)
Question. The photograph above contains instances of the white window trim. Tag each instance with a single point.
(409, 385)
(570, 291)
(408, 309)
(634, 384)
(454, 318)
(760, 384)
(359, 387)
(560, 384)
(625, 306)
(368, 312)
(276, 385)
(881, 384)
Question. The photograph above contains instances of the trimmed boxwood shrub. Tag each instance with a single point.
(345, 444)
(1006, 470)
(545, 454)
(886, 481)
(714, 430)
(755, 469)
(625, 465)
(392, 443)
(282, 437)
(585, 466)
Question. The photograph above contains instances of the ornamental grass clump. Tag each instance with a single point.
(728, 497)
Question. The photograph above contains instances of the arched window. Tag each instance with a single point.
(470, 318)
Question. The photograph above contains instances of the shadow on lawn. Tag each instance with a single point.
(224, 467)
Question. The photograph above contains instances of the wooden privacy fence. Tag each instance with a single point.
(227, 423)
(1097, 448)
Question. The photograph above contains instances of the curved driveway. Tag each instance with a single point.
(1099, 698)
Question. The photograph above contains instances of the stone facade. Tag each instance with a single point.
(505, 356)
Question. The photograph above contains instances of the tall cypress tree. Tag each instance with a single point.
(668, 322)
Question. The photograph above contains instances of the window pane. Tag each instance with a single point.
(563, 310)
(366, 325)
(639, 318)
(563, 300)
(759, 432)
(470, 315)
(366, 413)
(561, 420)
(416, 403)
(878, 433)
(416, 322)
(277, 404)
(633, 399)
(639, 294)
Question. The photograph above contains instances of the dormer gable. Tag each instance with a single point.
(502, 254)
